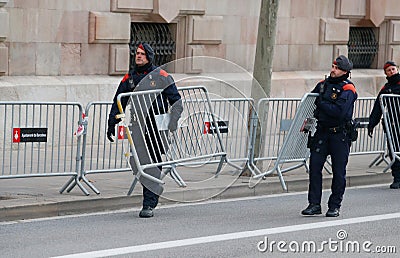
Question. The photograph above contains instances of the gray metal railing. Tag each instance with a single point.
(63, 154)
(390, 106)
(37, 140)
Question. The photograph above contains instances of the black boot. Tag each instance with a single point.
(146, 212)
(335, 212)
(312, 209)
(395, 185)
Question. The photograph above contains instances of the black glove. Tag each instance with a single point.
(110, 133)
(176, 111)
(173, 125)
(370, 132)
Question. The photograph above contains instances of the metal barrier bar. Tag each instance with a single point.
(294, 147)
(98, 156)
(38, 140)
(233, 116)
(197, 138)
(275, 117)
(364, 144)
(390, 104)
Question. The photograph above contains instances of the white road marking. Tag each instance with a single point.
(230, 236)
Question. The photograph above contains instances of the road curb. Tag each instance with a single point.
(100, 203)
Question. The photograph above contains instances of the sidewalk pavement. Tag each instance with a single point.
(28, 198)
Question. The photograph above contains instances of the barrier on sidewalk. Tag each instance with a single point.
(37, 140)
(276, 119)
(232, 115)
(390, 104)
(364, 144)
(211, 131)
(294, 146)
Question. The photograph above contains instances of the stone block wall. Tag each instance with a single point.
(91, 37)
(311, 33)
(4, 30)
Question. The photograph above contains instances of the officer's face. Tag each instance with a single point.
(391, 70)
(141, 58)
(336, 72)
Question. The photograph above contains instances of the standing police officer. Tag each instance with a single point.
(391, 87)
(146, 76)
(334, 111)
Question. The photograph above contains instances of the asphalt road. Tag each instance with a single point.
(268, 226)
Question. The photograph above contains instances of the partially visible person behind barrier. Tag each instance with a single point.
(157, 79)
(391, 87)
(334, 112)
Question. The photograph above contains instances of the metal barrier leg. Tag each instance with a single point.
(72, 182)
(178, 179)
(307, 167)
(132, 186)
(221, 162)
(91, 186)
(81, 187)
(67, 184)
(279, 172)
(379, 159)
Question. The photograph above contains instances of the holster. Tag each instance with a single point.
(311, 141)
(351, 128)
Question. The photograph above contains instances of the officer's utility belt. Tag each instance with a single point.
(336, 129)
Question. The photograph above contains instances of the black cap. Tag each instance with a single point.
(389, 63)
(343, 63)
(148, 50)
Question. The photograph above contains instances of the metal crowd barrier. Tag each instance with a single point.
(211, 131)
(364, 144)
(276, 117)
(38, 140)
(294, 146)
(232, 116)
(390, 106)
(198, 137)
(99, 156)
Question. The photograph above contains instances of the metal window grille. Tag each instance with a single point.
(362, 46)
(160, 38)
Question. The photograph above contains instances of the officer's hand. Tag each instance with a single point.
(176, 111)
(173, 125)
(370, 132)
(110, 133)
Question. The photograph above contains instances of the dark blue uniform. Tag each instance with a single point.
(148, 77)
(391, 87)
(334, 112)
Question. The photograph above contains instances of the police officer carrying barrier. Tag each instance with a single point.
(391, 87)
(146, 76)
(334, 111)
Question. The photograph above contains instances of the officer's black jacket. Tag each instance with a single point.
(391, 87)
(152, 74)
(336, 101)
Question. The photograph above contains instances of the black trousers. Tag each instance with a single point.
(337, 145)
(150, 198)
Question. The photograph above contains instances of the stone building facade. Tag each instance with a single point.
(80, 48)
